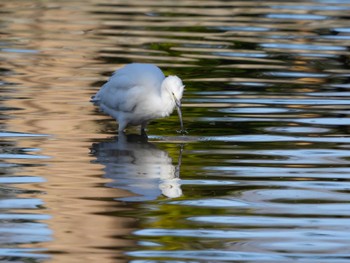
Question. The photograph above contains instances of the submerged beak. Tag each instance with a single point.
(178, 107)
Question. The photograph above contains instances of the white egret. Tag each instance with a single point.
(138, 93)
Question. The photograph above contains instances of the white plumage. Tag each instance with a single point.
(139, 93)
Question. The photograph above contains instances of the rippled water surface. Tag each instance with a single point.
(262, 175)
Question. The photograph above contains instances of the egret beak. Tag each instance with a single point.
(178, 107)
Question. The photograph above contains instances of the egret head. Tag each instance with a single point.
(175, 87)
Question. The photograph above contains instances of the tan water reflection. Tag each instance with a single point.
(53, 89)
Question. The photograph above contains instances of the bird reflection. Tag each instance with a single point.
(138, 166)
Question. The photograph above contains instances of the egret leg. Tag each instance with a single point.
(143, 126)
(143, 129)
(121, 127)
(122, 139)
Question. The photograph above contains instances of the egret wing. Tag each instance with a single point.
(128, 86)
(119, 94)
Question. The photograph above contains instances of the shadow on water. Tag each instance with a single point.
(138, 166)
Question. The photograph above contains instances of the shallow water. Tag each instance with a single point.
(261, 176)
